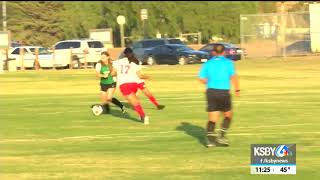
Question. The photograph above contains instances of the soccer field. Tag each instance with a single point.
(48, 131)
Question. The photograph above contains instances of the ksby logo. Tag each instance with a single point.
(283, 151)
(280, 151)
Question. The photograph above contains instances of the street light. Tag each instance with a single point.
(121, 20)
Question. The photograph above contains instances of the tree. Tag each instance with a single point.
(35, 23)
(47, 22)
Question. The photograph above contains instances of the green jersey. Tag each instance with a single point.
(104, 69)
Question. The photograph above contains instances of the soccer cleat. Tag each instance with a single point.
(160, 107)
(211, 140)
(223, 141)
(145, 120)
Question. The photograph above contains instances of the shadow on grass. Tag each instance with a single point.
(128, 106)
(196, 132)
(119, 114)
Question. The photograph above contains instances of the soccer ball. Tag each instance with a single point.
(97, 109)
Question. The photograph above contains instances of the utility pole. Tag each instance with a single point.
(121, 20)
(144, 29)
(144, 16)
(283, 27)
(4, 15)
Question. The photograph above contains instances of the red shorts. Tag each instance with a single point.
(128, 88)
(141, 86)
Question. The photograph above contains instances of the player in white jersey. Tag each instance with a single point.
(127, 71)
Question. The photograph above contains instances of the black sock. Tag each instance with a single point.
(225, 126)
(106, 108)
(117, 102)
(210, 127)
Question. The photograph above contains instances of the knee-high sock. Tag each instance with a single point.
(106, 108)
(225, 126)
(117, 102)
(210, 127)
(139, 110)
(153, 100)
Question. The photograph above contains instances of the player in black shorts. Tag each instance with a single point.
(107, 83)
(217, 74)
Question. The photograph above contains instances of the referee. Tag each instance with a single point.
(217, 74)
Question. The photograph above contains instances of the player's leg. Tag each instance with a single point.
(129, 91)
(227, 119)
(134, 101)
(224, 128)
(114, 100)
(105, 103)
(213, 117)
(104, 98)
(226, 122)
(152, 99)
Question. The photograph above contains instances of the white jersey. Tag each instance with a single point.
(138, 80)
(126, 72)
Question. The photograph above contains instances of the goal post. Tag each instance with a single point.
(185, 36)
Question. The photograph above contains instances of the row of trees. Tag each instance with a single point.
(46, 22)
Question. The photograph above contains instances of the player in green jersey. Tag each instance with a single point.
(107, 83)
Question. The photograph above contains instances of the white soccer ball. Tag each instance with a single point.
(97, 110)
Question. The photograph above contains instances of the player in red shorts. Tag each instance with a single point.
(128, 71)
(146, 91)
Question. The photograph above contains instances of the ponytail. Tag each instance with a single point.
(128, 52)
(134, 60)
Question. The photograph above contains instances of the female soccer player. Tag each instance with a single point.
(128, 70)
(107, 83)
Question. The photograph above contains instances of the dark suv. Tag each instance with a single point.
(140, 48)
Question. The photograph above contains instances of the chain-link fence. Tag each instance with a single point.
(289, 34)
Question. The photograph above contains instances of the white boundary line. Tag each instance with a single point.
(151, 134)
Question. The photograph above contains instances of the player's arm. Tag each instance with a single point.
(113, 72)
(97, 70)
(203, 74)
(234, 80)
(235, 83)
(139, 73)
(203, 81)
(142, 76)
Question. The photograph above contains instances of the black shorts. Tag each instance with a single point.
(218, 100)
(105, 87)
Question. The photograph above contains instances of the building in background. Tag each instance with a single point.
(103, 35)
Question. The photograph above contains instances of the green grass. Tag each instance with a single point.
(48, 132)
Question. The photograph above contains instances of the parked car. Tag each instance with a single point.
(45, 57)
(140, 47)
(298, 48)
(232, 51)
(174, 54)
(15, 44)
(174, 41)
(91, 49)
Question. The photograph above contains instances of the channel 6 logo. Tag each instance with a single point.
(282, 151)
